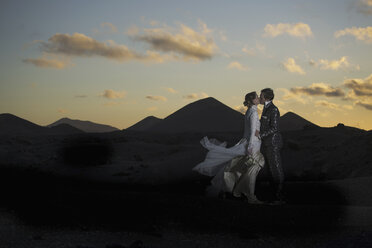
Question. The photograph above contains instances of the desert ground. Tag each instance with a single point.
(137, 189)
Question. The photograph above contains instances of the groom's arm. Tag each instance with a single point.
(274, 123)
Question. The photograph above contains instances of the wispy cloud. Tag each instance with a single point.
(44, 62)
(327, 104)
(133, 30)
(110, 26)
(112, 103)
(80, 45)
(84, 46)
(152, 109)
(166, 44)
(366, 105)
(365, 7)
(184, 43)
(81, 96)
(157, 98)
(359, 87)
(291, 66)
(253, 51)
(359, 92)
(298, 30)
(363, 34)
(237, 65)
(105, 28)
(62, 111)
(196, 95)
(241, 108)
(319, 89)
(249, 51)
(171, 90)
(287, 94)
(347, 107)
(111, 94)
(342, 63)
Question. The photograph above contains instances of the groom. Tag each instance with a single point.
(271, 140)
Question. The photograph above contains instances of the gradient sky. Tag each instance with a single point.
(116, 62)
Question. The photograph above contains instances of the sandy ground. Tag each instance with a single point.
(40, 210)
(16, 233)
(144, 194)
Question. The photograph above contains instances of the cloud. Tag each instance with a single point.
(365, 7)
(110, 104)
(81, 96)
(318, 89)
(299, 30)
(335, 65)
(249, 51)
(84, 46)
(171, 90)
(222, 35)
(291, 66)
(363, 34)
(259, 49)
(196, 95)
(290, 95)
(359, 87)
(157, 98)
(327, 104)
(237, 65)
(133, 30)
(47, 63)
(203, 95)
(366, 105)
(191, 96)
(313, 63)
(348, 107)
(111, 94)
(185, 43)
(110, 26)
(241, 108)
(152, 109)
(62, 111)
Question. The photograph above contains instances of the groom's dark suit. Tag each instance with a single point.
(271, 144)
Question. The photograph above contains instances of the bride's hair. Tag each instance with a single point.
(249, 99)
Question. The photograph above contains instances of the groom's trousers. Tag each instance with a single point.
(274, 162)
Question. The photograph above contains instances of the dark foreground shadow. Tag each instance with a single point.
(43, 199)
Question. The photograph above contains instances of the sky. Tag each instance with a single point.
(117, 62)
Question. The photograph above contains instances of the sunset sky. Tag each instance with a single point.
(117, 62)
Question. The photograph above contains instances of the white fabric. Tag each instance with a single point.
(219, 159)
(252, 124)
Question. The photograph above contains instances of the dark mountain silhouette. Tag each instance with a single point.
(145, 124)
(64, 128)
(210, 115)
(14, 125)
(86, 126)
(205, 115)
(291, 121)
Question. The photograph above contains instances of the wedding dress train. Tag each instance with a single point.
(232, 168)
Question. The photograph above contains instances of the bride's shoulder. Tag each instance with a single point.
(252, 109)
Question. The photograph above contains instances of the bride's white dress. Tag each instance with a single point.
(233, 170)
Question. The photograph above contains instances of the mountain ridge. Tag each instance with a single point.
(86, 126)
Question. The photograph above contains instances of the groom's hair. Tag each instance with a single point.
(268, 93)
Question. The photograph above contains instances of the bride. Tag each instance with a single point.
(235, 169)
